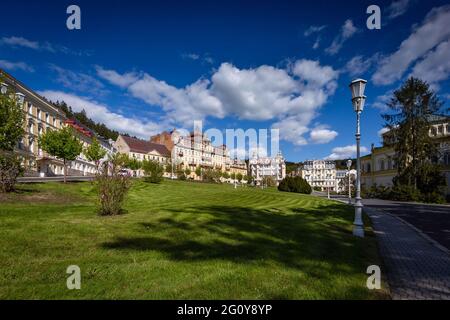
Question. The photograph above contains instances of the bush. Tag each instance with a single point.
(295, 184)
(10, 169)
(403, 193)
(269, 182)
(433, 197)
(112, 188)
(212, 175)
(153, 171)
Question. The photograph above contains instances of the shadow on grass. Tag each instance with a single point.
(317, 240)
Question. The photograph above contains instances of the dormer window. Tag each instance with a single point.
(3, 88)
(20, 97)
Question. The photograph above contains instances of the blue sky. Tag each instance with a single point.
(142, 67)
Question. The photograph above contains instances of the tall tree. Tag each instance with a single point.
(62, 144)
(12, 120)
(94, 152)
(411, 108)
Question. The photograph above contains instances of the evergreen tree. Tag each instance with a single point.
(412, 107)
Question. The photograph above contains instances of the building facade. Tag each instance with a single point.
(379, 167)
(82, 166)
(320, 174)
(40, 116)
(342, 177)
(195, 150)
(142, 150)
(272, 167)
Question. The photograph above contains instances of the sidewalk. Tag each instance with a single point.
(415, 268)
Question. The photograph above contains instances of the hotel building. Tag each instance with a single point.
(262, 167)
(142, 150)
(40, 116)
(320, 174)
(379, 167)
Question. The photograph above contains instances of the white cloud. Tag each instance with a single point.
(291, 96)
(322, 134)
(121, 80)
(397, 8)
(435, 66)
(347, 31)
(382, 101)
(77, 81)
(101, 113)
(427, 36)
(20, 42)
(313, 29)
(16, 42)
(12, 66)
(358, 65)
(346, 152)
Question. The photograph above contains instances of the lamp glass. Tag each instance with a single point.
(357, 88)
(349, 163)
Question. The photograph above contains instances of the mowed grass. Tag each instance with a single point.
(181, 240)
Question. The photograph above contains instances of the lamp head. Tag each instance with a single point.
(357, 88)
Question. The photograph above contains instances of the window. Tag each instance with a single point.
(30, 108)
(54, 121)
(433, 131)
(382, 164)
(46, 117)
(38, 114)
(441, 129)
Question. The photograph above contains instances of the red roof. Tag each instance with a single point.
(142, 146)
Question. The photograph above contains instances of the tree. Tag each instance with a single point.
(233, 176)
(94, 152)
(198, 171)
(153, 171)
(412, 107)
(112, 186)
(62, 144)
(249, 179)
(187, 172)
(226, 175)
(239, 177)
(12, 120)
(268, 181)
(295, 184)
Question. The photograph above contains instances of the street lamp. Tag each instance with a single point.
(358, 98)
(349, 165)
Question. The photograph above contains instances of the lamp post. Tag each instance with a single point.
(358, 98)
(349, 166)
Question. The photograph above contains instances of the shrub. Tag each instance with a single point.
(269, 182)
(295, 184)
(112, 187)
(153, 171)
(433, 197)
(10, 169)
(402, 193)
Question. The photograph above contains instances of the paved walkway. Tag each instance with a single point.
(415, 268)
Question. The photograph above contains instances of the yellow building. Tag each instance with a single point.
(379, 167)
(40, 116)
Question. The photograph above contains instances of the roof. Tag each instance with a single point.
(142, 146)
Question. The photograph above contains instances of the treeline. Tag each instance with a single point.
(100, 128)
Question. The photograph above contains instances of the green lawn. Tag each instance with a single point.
(181, 240)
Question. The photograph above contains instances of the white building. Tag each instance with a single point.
(342, 179)
(261, 167)
(320, 174)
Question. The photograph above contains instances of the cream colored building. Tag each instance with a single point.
(40, 116)
(379, 167)
(142, 150)
(261, 167)
(320, 174)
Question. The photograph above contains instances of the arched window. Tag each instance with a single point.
(382, 164)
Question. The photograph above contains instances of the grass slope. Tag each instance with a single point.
(181, 240)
